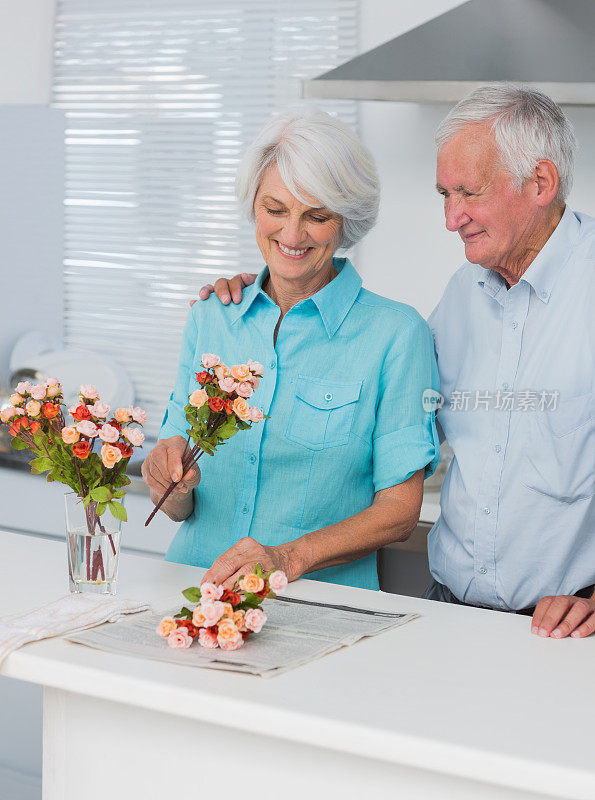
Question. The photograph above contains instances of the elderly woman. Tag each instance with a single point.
(337, 469)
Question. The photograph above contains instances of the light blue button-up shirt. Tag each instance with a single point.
(343, 387)
(517, 373)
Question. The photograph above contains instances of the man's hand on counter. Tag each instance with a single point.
(564, 615)
(164, 465)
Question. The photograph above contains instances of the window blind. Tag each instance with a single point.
(161, 99)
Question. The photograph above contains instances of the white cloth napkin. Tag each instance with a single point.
(70, 614)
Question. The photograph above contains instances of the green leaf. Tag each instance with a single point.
(185, 612)
(124, 480)
(227, 430)
(18, 444)
(258, 569)
(118, 510)
(101, 508)
(101, 493)
(86, 501)
(119, 494)
(41, 464)
(192, 594)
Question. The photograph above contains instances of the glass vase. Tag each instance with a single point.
(93, 545)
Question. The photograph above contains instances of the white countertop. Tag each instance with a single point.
(461, 691)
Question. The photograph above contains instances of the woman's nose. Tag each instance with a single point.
(293, 232)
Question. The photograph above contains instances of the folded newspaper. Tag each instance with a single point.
(297, 631)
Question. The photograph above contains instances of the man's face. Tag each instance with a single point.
(494, 220)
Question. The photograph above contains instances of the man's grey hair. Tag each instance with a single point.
(527, 124)
(319, 156)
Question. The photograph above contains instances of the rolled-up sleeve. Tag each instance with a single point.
(405, 437)
(174, 421)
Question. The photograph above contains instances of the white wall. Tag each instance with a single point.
(26, 51)
(410, 256)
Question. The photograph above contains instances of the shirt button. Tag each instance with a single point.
(244, 509)
(486, 510)
(483, 570)
(328, 397)
(497, 448)
(515, 325)
(505, 386)
(252, 458)
(273, 364)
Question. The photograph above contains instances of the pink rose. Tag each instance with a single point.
(138, 415)
(39, 391)
(231, 644)
(99, 409)
(256, 414)
(166, 626)
(16, 399)
(19, 411)
(54, 391)
(209, 591)
(122, 415)
(227, 384)
(256, 367)
(107, 433)
(52, 382)
(209, 360)
(198, 398)
(255, 619)
(244, 389)
(212, 611)
(87, 428)
(207, 638)
(70, 435)
(255, 382)
(180, 638)
(7, 413)
(33, 408)
(89, 391)
(24, 387)
(134, 436)
(221, 371)
(278, 581)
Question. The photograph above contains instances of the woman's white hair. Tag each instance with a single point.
(316, 156)
(527, 124)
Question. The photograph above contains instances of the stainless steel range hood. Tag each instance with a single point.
(547, 43)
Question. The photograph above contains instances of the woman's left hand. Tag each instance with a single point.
(243, 557)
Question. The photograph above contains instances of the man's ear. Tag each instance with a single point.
(547, 180)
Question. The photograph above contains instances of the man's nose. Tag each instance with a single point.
(455, 214)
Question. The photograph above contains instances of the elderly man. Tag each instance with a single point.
(515, 341)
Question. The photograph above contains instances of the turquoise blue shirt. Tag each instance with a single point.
(343, 389)
(516, 370)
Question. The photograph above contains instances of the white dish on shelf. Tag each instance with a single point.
(75, 367)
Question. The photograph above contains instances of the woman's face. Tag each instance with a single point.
(297, 241)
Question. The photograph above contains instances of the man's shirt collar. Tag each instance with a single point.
(544, 270)
(333, 301)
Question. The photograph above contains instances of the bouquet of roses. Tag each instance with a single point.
(217, 410)
(223, 617)
(36, 421)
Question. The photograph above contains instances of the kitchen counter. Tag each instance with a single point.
(462, 703)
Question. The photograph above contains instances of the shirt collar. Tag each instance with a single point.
(547, 265)
(333, 301)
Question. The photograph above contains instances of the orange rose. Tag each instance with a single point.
(110, 455)
(241, 408)
(239, 618)
(252, 583)
(33, 408)
(241, 372)
(166, 626)
(198, 618)
(70, 435)
(227, 611)
(81, 450)
(122, 415)
(50, 410)
(227, 630)
(221, 371)
(35, 426)
(198, 398)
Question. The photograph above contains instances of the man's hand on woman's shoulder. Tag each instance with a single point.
(227, 290)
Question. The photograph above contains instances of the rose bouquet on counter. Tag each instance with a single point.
(217, 410)
(223, 618)
(89, 453)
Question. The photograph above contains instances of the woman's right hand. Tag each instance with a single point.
(164, 465)
(227, 290)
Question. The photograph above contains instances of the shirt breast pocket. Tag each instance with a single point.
(560, 460)
(322, 413)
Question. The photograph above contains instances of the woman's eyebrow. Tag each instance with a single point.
(272, 199)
